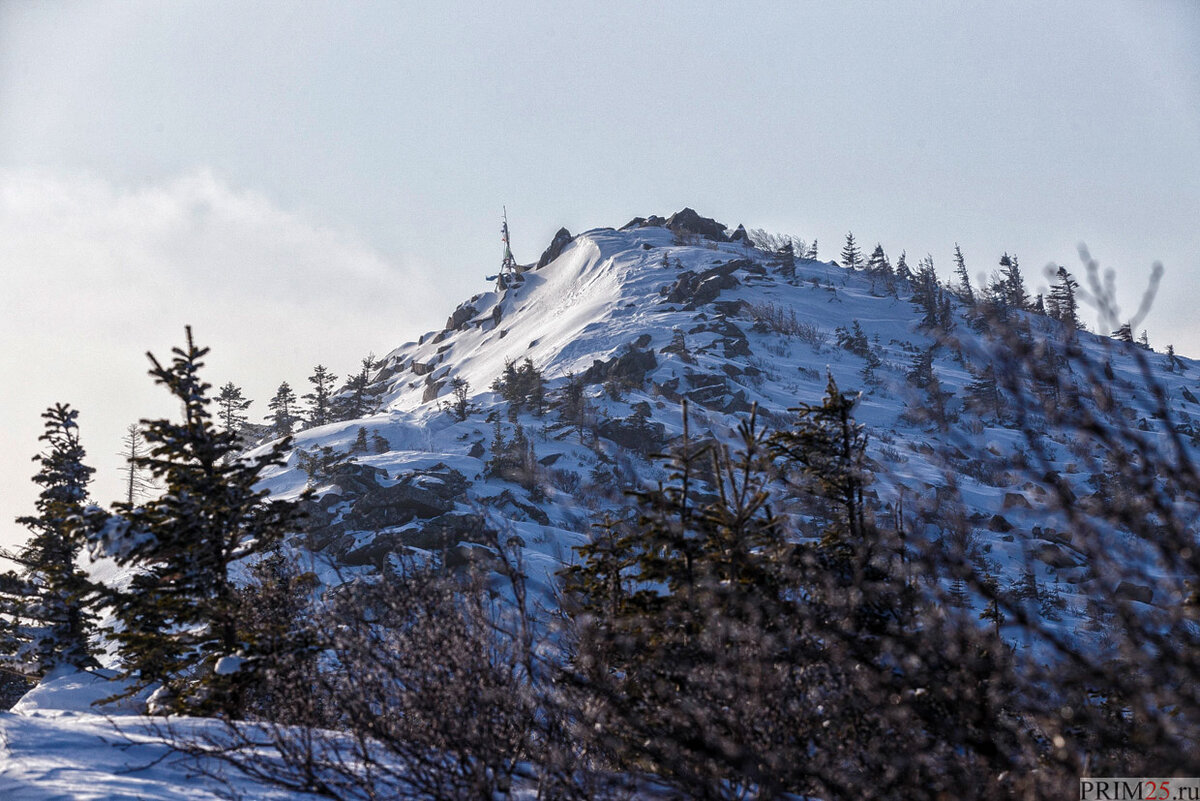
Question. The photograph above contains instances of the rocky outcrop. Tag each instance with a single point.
(560, 241)
(461, 316)
(397, 514)
(688, 221)
(635, 433)
(695, 289)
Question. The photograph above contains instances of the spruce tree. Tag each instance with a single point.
(903, 272)
(878, 265)
(963, 290)
(357, 398)
(1011, 285)
(283, 411)
(573, 407)
(137, 483)
(787, 261)
(983, 392)
(1061, 304)
(48, 609)
(927, 295)
(231, 407)
(182, 625)
(319, 400)
(828, 448)
(851, 255)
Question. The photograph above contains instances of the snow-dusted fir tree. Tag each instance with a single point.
(47, 607)
(181, 622)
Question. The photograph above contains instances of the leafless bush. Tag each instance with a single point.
(783, 320)
(427, 687)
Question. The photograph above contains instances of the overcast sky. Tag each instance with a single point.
(308, 182)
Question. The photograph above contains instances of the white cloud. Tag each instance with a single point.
(96, 274)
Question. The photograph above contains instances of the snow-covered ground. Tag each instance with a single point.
(55, 745)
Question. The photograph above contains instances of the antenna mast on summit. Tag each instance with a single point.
(508, 267)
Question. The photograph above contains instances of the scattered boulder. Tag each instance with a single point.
(628, 369)
(1015, 500)
(1128, 591)
(524, 509)
(653, 221)
(431, 390)
(458, 320)
(692, 289)
(354, 479)
(1056, 556)
(635, 433)
(557, 245)
(999, 523)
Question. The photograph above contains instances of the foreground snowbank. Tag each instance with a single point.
(55, 745)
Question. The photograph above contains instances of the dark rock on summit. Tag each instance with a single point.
(560, 241)
(687, 220)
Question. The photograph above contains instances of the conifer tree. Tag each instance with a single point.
(851, 255)
(787, 261)
(1174, 362)
(1061, 304)
(319, 400)
(903, 271)
(48, 609)
(1011, 285)
(828, 447)
(522, 387)
(928, 295)
(983, 392)
(922, 376)
(878, 265)
(283, 411)
(357, 398)
(963, 290)
(182, 624)
(231, 407)
(460, 393)
(573, 408)
(360, 441)
(137, 483)
(811, 253)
